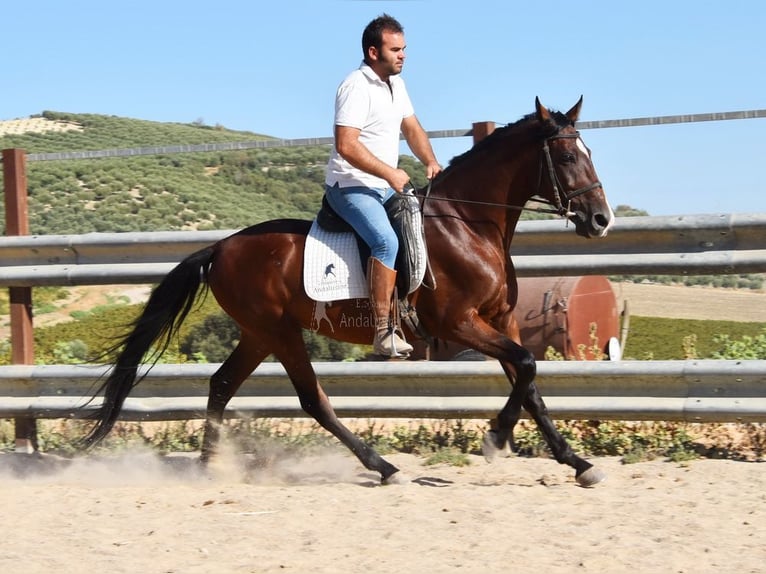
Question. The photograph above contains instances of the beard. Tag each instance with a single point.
(392, 66)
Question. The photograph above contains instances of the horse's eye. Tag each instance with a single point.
(567, 158)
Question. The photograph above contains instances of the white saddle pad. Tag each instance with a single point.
(332, 269)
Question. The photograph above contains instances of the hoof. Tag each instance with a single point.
(590, 477)
(490, 450)
(397, 478)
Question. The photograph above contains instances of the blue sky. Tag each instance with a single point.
(273, 67)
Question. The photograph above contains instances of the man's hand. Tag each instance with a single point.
(432, 170)
(398, 179)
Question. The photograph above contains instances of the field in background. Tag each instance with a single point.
(702, 303)
(644, 300)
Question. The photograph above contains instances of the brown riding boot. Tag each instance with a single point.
(381, 281)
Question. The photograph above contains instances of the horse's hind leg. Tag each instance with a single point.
(224, 384)
(314, 401)
(499, 439)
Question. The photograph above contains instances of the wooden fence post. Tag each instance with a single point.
(480, 130)
(22, 336)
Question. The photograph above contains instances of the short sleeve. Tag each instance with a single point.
(352, 104)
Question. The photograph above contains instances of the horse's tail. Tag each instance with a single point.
(163, 314)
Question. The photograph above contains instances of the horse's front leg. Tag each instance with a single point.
(585, 473)
(521, 369)
(525, 394)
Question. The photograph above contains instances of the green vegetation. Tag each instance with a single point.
(746, 348)
(659, 339)
(183, 191)
(208, 335)
(111, 132)
(201, 190)
(206, 190)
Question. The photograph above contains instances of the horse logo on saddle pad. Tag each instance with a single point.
(333, 267)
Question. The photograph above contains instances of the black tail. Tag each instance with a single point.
(165, 311)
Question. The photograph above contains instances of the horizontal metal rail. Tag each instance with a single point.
(269, 142)
(680, 245)
(695, 391)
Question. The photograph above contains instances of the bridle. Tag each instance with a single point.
(558, 189)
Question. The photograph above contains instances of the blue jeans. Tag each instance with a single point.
(362, 208)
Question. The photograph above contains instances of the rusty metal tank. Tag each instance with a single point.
(577, 317)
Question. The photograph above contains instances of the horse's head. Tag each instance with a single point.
(567, 176)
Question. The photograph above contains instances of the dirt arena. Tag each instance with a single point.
(142, 513)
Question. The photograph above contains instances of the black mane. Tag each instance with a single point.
(525, 128)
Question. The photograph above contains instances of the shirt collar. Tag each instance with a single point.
(370, 73)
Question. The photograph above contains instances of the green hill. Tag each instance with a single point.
(199, 190)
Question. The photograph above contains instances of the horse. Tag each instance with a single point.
(470, 211)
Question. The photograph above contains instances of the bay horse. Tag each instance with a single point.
(469, 217)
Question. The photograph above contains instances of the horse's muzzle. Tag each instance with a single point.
(592, 224)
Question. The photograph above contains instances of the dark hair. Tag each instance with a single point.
(373, 33)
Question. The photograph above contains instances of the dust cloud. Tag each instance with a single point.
(142, 466)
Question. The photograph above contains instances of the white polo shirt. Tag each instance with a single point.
(366, 102)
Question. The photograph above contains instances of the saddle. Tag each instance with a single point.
(402, 210)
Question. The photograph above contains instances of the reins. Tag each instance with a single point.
(492, 204)
(558, 190)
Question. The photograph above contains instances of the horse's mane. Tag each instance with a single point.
(522, 130)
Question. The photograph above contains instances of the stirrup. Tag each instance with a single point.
(388, 343)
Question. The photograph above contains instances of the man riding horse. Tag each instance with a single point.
(371, 109)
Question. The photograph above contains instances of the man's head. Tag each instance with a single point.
(383, 46)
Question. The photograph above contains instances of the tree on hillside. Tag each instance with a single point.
(628, 211)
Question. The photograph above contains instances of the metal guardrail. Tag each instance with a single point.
(658, 390)
(689, 245)
(695, 391)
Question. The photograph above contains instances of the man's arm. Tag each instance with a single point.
(420, 145)
(356, 153)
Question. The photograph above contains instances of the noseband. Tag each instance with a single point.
(558, 189)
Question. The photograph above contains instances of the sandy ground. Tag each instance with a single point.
(144, 513)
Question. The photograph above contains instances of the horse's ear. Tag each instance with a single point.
(543, 115)
(574, 113)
